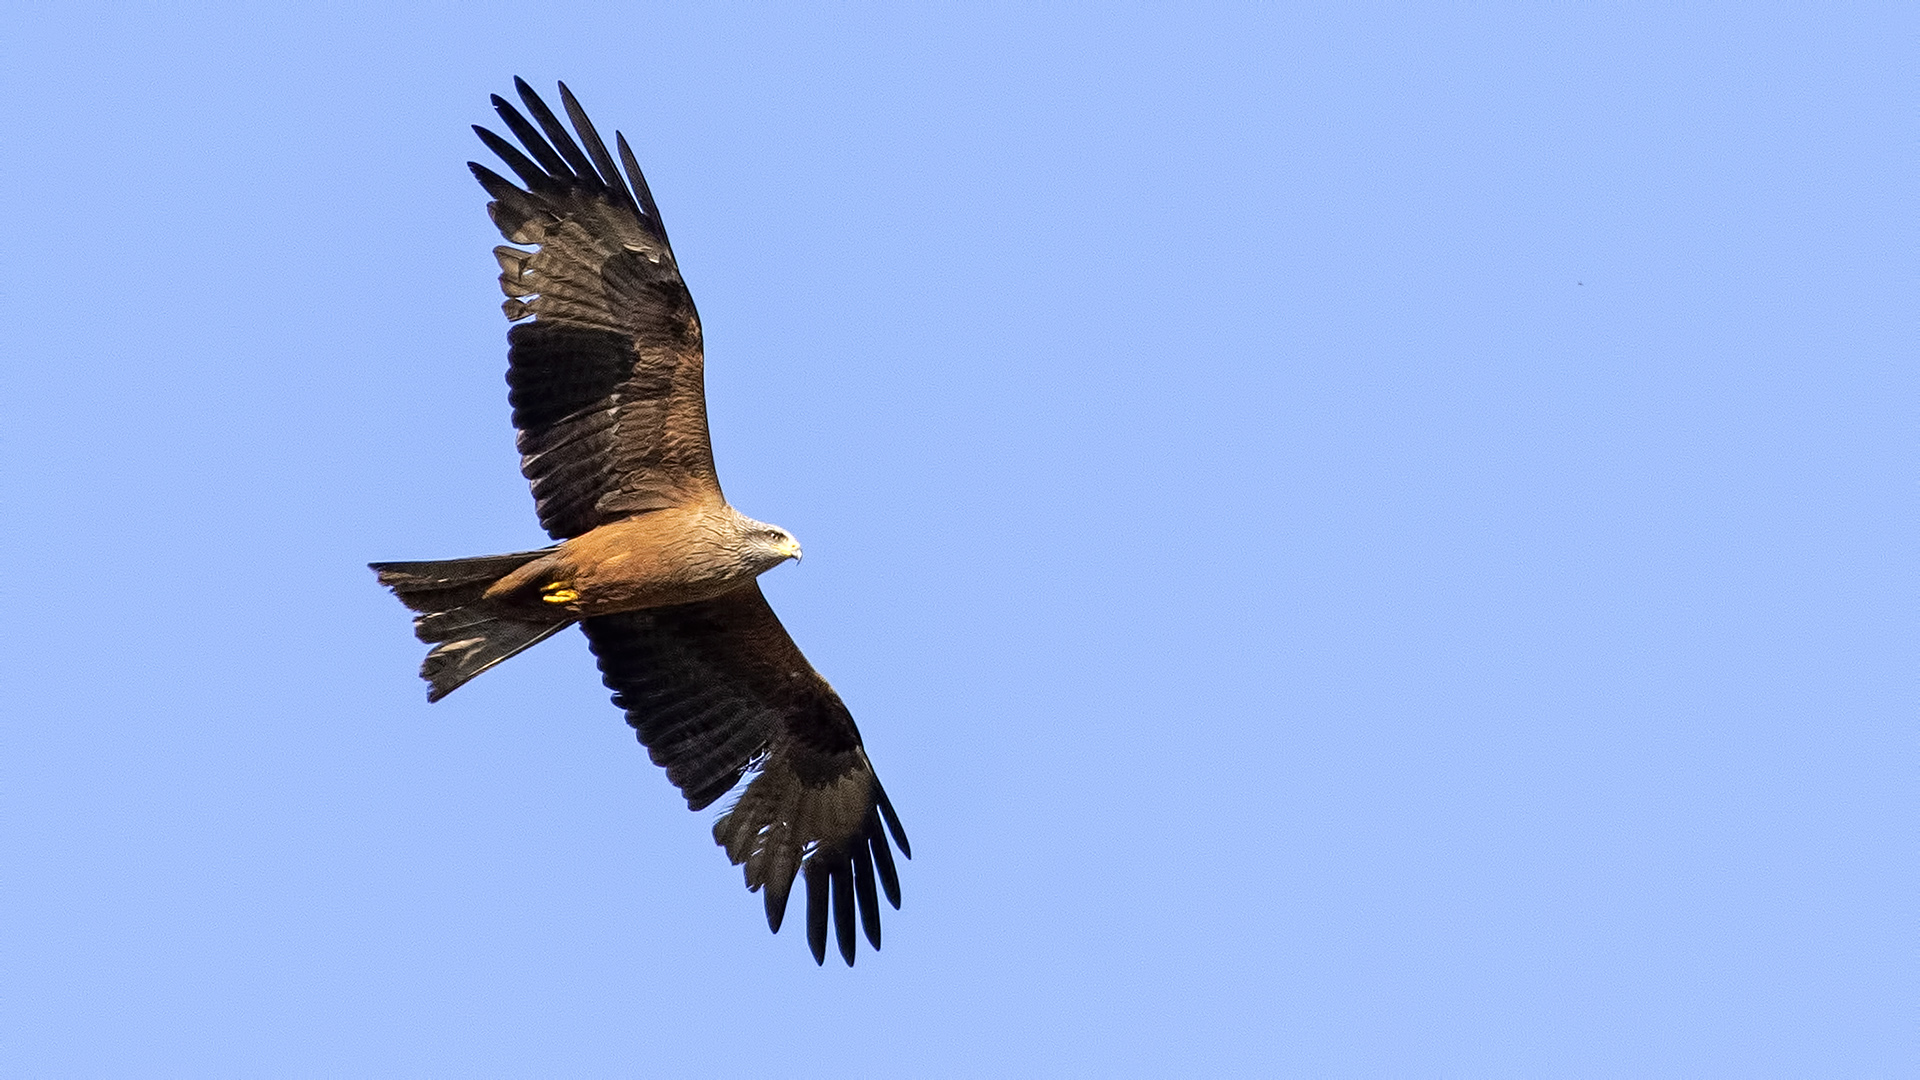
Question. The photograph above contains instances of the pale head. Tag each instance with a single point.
(764, 546)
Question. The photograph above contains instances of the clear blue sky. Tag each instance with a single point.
(1362, 542)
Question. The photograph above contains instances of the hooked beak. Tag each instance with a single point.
(790, 549)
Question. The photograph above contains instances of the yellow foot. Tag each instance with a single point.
(558, 593)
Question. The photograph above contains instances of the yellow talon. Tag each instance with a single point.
(559, 594)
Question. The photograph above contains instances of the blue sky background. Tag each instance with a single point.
(1363, 540)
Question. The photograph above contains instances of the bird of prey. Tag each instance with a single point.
(604, 368)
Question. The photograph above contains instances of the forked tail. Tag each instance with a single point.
(467, 634)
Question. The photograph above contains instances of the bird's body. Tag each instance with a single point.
(605, 369)
(675, 555)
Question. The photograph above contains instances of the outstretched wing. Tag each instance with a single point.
(606, 378)
(716, 689)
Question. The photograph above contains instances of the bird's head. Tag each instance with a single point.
(770, 545)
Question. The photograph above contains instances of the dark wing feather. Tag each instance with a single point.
(606, 380)
(716, 689)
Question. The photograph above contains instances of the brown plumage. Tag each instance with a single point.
(604, 366)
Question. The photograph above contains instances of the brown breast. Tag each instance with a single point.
(671, 556)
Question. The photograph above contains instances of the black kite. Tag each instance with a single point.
(604, 365)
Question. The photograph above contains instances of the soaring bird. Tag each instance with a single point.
(604, 367)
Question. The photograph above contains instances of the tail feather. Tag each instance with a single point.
(451, 663)
(467, 636)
